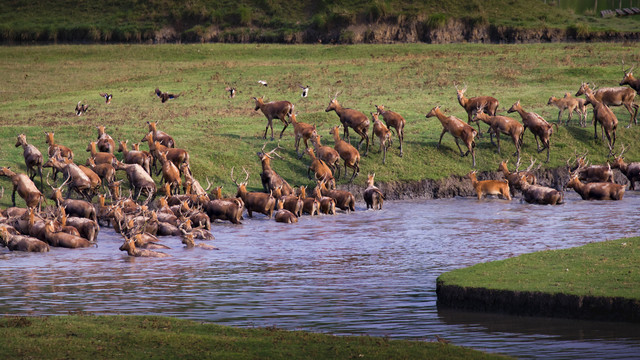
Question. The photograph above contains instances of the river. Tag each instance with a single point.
(368, 272)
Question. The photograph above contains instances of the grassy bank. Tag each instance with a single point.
(275, 20)
(42, 84)
(137, 337)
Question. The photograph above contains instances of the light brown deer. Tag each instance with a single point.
(373, 197)
(25, 188)
(470, 105)
(613, 96)
(78, 181)
(458, 129)
(170, 174)
(254, 201)
(310, 205)
(490, 187)
(62, 239)
(54, 148)
(79, 208)
(380, 131)
(139, 180)
(283, 215)
(189, 242)
(274, 110)
(105, 172)
(175, 155)
(351, 118)
(344, 199)
(393, 120)
(302, 131)
(596, 190)
(320, 169)
(329, 155)
(105, 141)
(130, 247)
(514, 177)
(571, 104)
(99, 157)
(350, 155)
(538, 126)
(591, 173)
(160, 136)
(602, 114)
(505, 125)
(133, 156)
(327, 204)
(32, 158)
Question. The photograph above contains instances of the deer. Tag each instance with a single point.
(283, 215)
(32, 158)
(373, 197)
(596, 190)
(189, 242)
(170, 174)
(613, 96)
(393, 120)
(130, 247)
(105, 142)
(293, 203)
(538, 126)
(458, 129)
(133, 156)
(99, 157)
(270, 179)
(302, 131)
(320, 169)
(630, 170)
(514, 178)
(355, 119)
(61, 223)
(344, 199)
(21, 242)
(274, 110)
(25, 188)
(54, 148)
(380, 131)
(62, 239)
(349, 154)
(198, 232)
(582, 107)
(490, 187)
(629, 79)
(470, 105)
(591, 173)
(139, 179)
(327, 205)
(105, 172)
(329, 155)
(229, 210)
(160, 136)
(502, 124)
(88, 228)
(310, 205)
(194, 185)
(78, 180)
(602, 114)
(536, 194)
(78, 208)
(175, 155)
(136, 147)
(254, 201)
(568, 103)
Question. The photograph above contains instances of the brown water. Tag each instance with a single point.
(361, 273)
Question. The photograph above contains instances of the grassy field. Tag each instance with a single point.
(41, 85)
(275, 20)
(142, 337)
(605, 269)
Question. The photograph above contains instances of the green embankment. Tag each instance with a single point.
(598, 280)
(42, 84)
(143, 337)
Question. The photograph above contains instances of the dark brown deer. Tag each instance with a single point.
(536, 194)
(21, 242)
(25, 188)
(105, 172)
(105, 141)
(596, 190)
(344, 199)
(490, 187)
(380, 131)
(320, 169)
(373, 197)
(96, 181)
(175, 155)
(160, 136)
(62, 239)
(629, 79)
(270, 179)
(351, 118)
(630, 170)
(78, 181)
(329, 155)
(613, 96)
(514, 177)
(591, 173)
(79, 208)
(538, 126)
(54, 148)
(190, 180)
(310, 205)
(302, 131)
(283, 215)
(349, 154)
(458, 129)
(32, 158)
(229, 210)
(602, 114)
(470, 105)
(99, 157)
(139, 179)
(133, 156)
(274, 110)
(327, 204)
(88, 228)
(505, 125)
(254, 201)
(393, 120)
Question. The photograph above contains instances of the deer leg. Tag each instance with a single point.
(284, 128)
(441, 135)
(461, 153)
(345, 169)
(498, 140)
(384, 154)
(628, 106)
(337, 169)
(13, 196)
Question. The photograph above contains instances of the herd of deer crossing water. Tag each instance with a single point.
(142, 216)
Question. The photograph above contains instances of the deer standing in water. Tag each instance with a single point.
(490, 187)
(270, 179)
(373, 197)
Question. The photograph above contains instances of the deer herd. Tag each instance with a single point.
(178, 205)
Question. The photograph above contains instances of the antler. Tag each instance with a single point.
(531, 166)
(209, 184)
(246, 172)
(274, 150)
(232, 179)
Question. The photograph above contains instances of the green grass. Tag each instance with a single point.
(604, 269)
(271, 20)
(41, 85)
(143, 337)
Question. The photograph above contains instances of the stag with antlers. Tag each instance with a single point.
(270, 179)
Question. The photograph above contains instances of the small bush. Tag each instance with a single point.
(436, 21)
(347, 37)
(319, 21)
(578, 30)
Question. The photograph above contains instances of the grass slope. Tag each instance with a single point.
(42, 84)
(138, 337)
(604, 269)
(135, 21)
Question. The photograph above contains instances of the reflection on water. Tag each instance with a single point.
(362, 273)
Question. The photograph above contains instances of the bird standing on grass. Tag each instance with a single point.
(81, 108)
(305, 90)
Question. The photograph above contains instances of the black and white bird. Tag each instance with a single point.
(107, 97)
(81, 108)
(262, 82)
(165, 96)
(231, 90)
(305, 90)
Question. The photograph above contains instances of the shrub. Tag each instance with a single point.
(436, 21)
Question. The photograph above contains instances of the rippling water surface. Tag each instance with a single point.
(361, 273)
